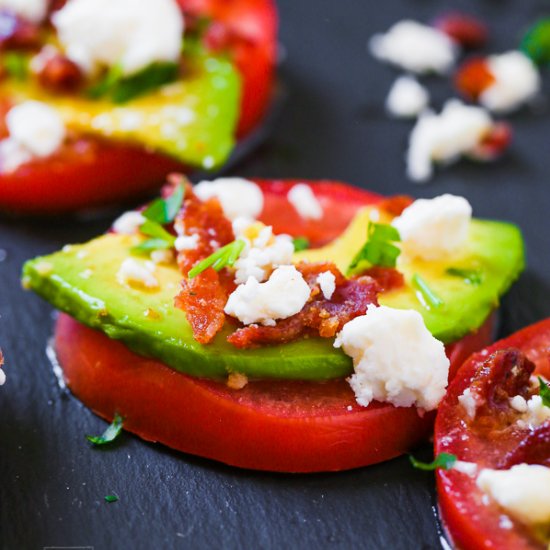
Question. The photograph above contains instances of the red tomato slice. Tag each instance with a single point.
(88, 173)
(268, 425)
(470, 523)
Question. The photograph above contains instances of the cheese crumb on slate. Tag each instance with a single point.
(396, 359)
(407, 98)
(305, 202)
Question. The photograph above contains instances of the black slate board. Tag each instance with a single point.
(52, 483)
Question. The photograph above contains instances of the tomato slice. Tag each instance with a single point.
(88, 173)
(470, 522)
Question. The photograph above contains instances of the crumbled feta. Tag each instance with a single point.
(523, 491)
(518, 403)
(456, 131)
(131, 33)
(238, 197)
(128, 223)
(31, 10)
(132, 272)
(534, 411)
(468, 468)
(407, 98)
(432, 228)
(285, 293)
(327, 282)
(2, 377)
(415, 47)
(36, 130)
(395, 357)
(469, 403)
(305, 202)
(263, 251)
(517, 80)
(186, 242)
(162, 256)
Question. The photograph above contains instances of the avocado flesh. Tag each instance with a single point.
(82, 281)
(192, 120)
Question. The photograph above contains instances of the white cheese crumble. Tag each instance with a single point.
(443, 138)
(407, 98)
(132, 273)
(36, 130)
(128, 223)
(302, 198)
(523, 491)
(327, 282)
(432, 228)
(31, 10)
(468, 468)
(2, 377)
(517, 80)
(284, 294)
(534, 412)
(396, 359)
(131, 33)
(469, 403)
(186, 242)
(415, 47)
(238, 197)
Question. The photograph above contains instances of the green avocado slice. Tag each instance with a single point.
(82, 281)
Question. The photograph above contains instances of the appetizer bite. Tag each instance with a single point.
(278, 325)
(494, 426)
(101, 99)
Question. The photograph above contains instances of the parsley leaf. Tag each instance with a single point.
(111, 77)
(536, 42)
(225, 256)
(110, 434)
(378, 250)
(110, 498)
(154, 229)
(300, 243)
(428, 295)
(164, 211)
(16, 65)
(445, 461)
(151, 244)
(470, 276)
(544, 392)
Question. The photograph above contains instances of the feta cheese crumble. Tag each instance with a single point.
(305, 202)
(36, 130)
(31, 10)
(456, 131)
(238, 197)
(469, 403)
(327, 282)
(407, 98)
(128, 223)
(415, 47)
(534, 412)
(134, 273)
(396, 359)
(283, 295)
(186, 242)
(432, 228)
(131, 33)
(517, 80)
(522, 491)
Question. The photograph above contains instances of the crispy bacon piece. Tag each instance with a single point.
(388, 278)
(319, 316)
(395, 205)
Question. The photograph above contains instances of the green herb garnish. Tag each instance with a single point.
(164, 211)
(544, 391)
(161, 239)
(445, 461)
(110, 434)
(226, 256)
(300, 243)
(471, 276)
(16, 65)
(110, 498)
(536, 42)
(429, 296)
(378, 250)
(109, 80)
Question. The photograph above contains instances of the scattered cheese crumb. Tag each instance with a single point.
(396, 359)
(237, 381)
(327, 282)
(432, 228)
(518, 403)
(134, 273)
(2, 377)
(128, 223)
(534, 411)
(469, 403)
(468, 468)
(444, 138)
(305, 202)
(415, 47)
(86, 274)
(522, 491)
(162, 256)
(238, 197)
(284, 294)
(187, 242)
(31, 10)
(407, 98)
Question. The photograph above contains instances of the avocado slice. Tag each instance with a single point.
(82, 281)
(192, 119)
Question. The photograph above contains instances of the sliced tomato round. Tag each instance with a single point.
(493, 441)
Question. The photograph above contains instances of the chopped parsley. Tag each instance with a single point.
(428, 295)
(161, 239)
(445, 461)
(544, 392)
(300, 243)
(378, 250)
(110, 434)
(470, 276)
(163, 211)
(110, 498)
(225, 256)
(16, 65)
(536, 42)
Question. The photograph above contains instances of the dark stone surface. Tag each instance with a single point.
(52, 483)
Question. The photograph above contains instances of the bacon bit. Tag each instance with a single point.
(319, 316)
(237, 381)
(494, 144)
(388, 278)
(60, 74)
(395, 205)
(533, 449)
(468, 31)
(473, 78)
(16, 33)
